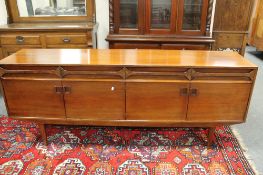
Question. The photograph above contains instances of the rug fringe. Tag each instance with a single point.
(245, 150)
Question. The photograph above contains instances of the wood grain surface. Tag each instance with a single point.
(90, 57)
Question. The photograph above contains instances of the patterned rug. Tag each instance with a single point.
(122, 151)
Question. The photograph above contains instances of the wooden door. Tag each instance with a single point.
(153, 100)
(33, 98)
(192, 16)
(101, 100)
(128, 16)
(161, 16)
(218, 101)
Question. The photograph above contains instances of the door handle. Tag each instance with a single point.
(194, 92)
(67, 89)
(184, 92)
(58, 89)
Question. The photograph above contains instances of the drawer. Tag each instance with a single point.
(225, 74)
(185, 47)
(11, 50)
(94, 72)
(134, 46)
(20, 40)
(1, 54)
(80, 39)
(162, 73)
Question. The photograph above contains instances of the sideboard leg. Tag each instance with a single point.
(211, 133)
(42, 128)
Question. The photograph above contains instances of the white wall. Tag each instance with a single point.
(3, 14)
(102, 16)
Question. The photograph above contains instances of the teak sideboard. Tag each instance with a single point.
(135, 88)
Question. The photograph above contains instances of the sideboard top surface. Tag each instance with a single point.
(107, 57)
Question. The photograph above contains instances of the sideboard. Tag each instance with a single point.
(135, 88)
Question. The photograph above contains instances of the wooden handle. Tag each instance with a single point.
(67, 89)
(58, 89)
(184, 92)
(194, 92)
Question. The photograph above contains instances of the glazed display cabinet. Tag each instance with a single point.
(155, 24)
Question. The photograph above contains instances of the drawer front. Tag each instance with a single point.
(185, 47)
(66, 39)
(159, 73)
(9, 50)
(93, 72)
(1, 53)
(134, 46)
(20, 40)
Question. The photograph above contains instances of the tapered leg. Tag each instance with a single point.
(43, 132)
(211, 133)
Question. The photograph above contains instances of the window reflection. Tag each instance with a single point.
(30, 8)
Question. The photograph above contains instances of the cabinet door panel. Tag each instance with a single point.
(34, 98)
(156, 101)
(219, 101)
(192, 16)
(95, 100)
(160, 14)
(129, 14)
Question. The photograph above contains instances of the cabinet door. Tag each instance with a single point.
(94, 99)
(33, 98)
(1, 53)
(161, 16)
(128, 16)
(192, 17)
(156, 100)
(226, 101)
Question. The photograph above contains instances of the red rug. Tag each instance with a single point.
(122, 151)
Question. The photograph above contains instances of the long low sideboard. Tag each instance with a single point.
(128, 88)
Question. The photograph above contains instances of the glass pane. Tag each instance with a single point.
(30, 8)
(192, 14)
(161, 13)
(129, 13)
